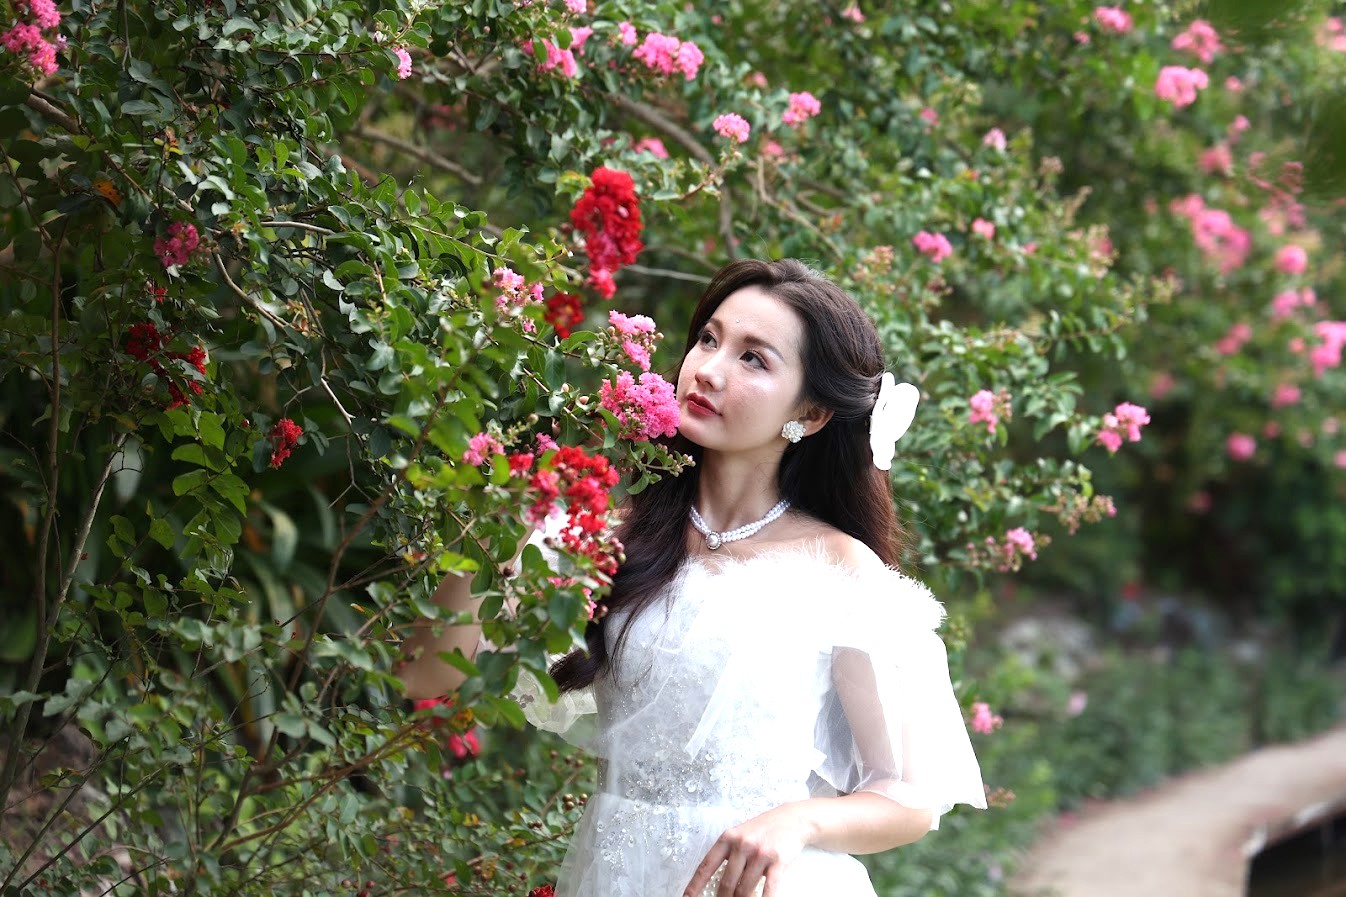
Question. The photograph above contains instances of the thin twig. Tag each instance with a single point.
(238, 291)
(300, 225)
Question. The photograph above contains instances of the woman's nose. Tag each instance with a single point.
(708, 374)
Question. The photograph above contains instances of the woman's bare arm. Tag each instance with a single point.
(423, 672)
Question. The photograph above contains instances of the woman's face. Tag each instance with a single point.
(743, 378)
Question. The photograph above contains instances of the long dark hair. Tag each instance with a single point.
(830, 475)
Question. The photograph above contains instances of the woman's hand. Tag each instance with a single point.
(760, 848)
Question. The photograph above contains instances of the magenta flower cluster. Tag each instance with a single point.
(178, 246)
(733, 126)
(983, 720)
(802, 107)
(934, 246)
(1123, 423)
(27, 39)
(1179, 85)
(988, 408)
(516, 293)
(667, 55)
(645, 409)
(1111, 18)
(638, 334)
(403, 63)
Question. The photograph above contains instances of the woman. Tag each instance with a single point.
(770, 692)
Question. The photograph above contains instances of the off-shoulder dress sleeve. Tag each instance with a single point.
(890, 722)
(572, 715)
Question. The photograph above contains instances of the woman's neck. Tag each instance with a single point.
(733, 491)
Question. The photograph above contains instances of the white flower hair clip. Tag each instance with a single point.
(893, 413)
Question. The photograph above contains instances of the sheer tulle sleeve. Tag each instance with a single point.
(572, 715)
(890, 722)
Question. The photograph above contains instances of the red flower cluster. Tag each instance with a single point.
(563, 312)
(608, 214)
(584, 481)
(544, 891)
(284, 435)
(145, 343)
(462, 744)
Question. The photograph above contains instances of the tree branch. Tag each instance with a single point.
(417, 151)
(51, 113)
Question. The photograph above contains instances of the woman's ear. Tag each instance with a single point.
(814, 418)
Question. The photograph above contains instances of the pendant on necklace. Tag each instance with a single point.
(712, 541)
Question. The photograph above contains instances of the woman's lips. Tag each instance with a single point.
(700, 406)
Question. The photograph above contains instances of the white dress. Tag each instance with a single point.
(750, 684)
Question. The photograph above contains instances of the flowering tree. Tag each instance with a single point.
(313, 304)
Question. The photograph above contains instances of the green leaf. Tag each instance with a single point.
(291, 724)
(212, 430)
(162, 533)
(190, 481)
(233, 489)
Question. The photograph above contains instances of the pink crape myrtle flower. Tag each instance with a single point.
(178, 246)
(983, 404)
(1230, 344)
(1123, 424)
(666, 54)
(578, 7)
(652, 145)
(1339, 459)
(1200, 40)
(558, 58)
(1327, 354)
(645, 409)
(995, 139)
(1111, 18)
(802, 107)
(1333, 35)
(983, 720)
(1022, 542)
(25, 39)
(983, 228)
(1285, 303)
(1220, 239)
(1240, 446)
(480, 447)
(637, 334)
(1217, 160)
(626, 33)
(577, 38)
(935, 246)
(1292, 259)
(853, 13)
(1285, 394)
(733, 126)
(403, 63)
(1179, 85)
(44, 12)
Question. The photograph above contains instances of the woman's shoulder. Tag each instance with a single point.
(810, 536)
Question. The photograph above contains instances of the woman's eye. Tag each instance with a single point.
(754, 357)
(705, 337)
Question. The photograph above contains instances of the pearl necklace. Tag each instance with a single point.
(714, 540)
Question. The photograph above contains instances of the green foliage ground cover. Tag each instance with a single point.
(251, 284)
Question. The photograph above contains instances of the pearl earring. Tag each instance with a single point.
(793, 430)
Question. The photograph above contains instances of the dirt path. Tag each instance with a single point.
(1193, 835)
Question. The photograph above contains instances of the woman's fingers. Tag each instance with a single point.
(719, 851)
(733, 871)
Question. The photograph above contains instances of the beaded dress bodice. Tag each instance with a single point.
(720, 704)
